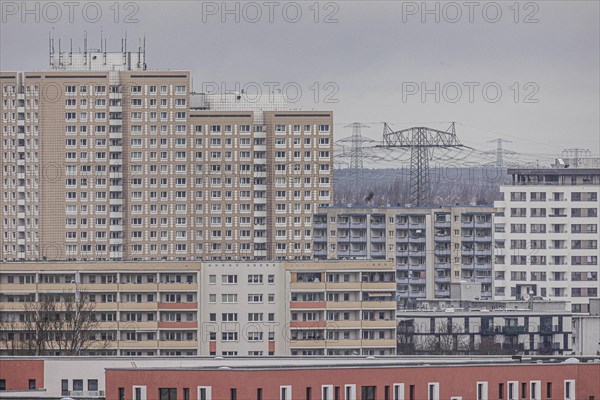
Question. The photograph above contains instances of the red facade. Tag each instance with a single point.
(454, 381)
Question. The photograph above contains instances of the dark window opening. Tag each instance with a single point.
(259, 394)
(64, 387)
(167, 394)
(32, 384)
(121, 393)
(500, 391)
(233, 393)
(368, 392)
(411, 392)
(549, 390)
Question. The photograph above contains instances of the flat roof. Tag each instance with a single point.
(306, 362)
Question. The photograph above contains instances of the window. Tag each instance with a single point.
(513, 390)
(285, 393)
(32, 385)
(368, 392)
(535, 390)
(77, 385)
(433, 391)
(326, 390)
(204, 393)
(233, 393)
(92, 385)
(569, 390)
(398, 391)
(121, 393)
(482, 391)
(349, 392)
(167, 394)
(139, 393)
(229, 279)
(549, 390)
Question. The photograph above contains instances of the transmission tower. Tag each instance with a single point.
(576, 155)
(356, 150)
(421, 141)
(500, 152)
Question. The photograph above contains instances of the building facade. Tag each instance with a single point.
(546, 238)
(420, 378)
(110, 161)
(183, 308)
(432, 248)
(486, 331)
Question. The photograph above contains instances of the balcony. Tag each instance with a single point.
(358, 239)
(378, 239)
(442, 224)
(378, 253)
(418, 239)
(320, 239)
(85, 394)
(442, 293)
(442, 252)
(442, 266)
(483, 239)
(513, 330)
(442, 279)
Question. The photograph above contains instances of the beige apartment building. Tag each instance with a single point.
(208, 308)
(102, 159)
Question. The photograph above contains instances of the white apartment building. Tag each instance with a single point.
(546, 238)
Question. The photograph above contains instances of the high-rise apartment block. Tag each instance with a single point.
(103, 159)
(431, 247)
(547, 236)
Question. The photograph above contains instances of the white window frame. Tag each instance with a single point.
(538, 390)
(398, 391)
(515, 393)
(484, 391)
(288, 392)
(208, 390)
(352, 394)
(569, 396)
(329, 395)
(436, 390)
(143, 391)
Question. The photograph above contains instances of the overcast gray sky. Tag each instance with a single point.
(374, 59)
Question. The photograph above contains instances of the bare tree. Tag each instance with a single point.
(57, 324)
(447, 339)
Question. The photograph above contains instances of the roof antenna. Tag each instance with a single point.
(101, 41)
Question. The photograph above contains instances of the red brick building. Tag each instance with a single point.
(300, 378)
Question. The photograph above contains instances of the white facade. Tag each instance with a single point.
(547, 238)
(243, 308)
